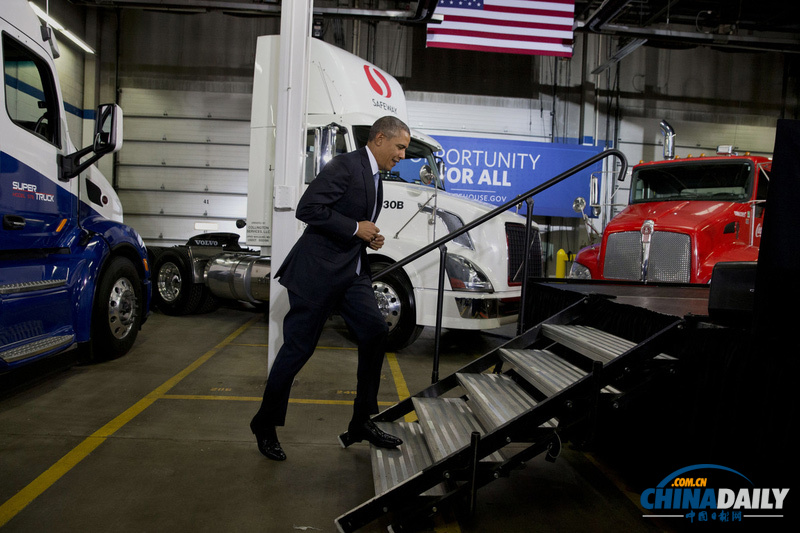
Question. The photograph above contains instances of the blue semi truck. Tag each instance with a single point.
(72, 276)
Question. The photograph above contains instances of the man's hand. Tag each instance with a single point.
(377, 242)
(367, 231)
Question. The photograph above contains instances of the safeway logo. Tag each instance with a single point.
(378, 81)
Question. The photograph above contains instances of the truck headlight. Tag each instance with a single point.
(465, 276)
(578, 271)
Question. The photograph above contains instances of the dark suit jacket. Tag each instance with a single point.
(322, 263)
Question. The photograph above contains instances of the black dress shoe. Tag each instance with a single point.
(371, 433)
(269, 446)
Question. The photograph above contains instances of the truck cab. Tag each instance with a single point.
(71, 274)
(683, 217)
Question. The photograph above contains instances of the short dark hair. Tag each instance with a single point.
(390, 126)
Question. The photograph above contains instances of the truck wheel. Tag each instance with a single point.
(396, 302)
(174, 291)
(116, 313)
(208, 302)
(153, 253)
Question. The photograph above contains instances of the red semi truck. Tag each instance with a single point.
(683, 217)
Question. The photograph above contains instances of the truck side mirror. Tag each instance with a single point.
(108, 129)
(594, 194)
(426, 174)
(107, 139)
(324, 146)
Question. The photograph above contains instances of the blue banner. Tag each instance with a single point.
(497, 170)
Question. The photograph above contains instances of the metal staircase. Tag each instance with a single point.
(549, 385)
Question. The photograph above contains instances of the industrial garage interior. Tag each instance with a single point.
(571, 416)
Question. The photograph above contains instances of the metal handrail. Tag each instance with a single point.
(526, 197)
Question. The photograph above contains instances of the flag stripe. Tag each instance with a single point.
(505, 36)
(525, 11)
(527, 26)
(504, 43)
(551, 5)
(515, 26)
(501, 50)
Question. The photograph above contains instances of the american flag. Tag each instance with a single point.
(533, 27)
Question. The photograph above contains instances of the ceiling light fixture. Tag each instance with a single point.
(59, 27)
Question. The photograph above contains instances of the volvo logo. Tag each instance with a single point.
(378, 81)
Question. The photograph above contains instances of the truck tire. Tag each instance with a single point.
(116, 311)
(396, 302)
(208, 302)
(153, 253)
(174, 292)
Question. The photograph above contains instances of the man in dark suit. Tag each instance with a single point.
(328, 269)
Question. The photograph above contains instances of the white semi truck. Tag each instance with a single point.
(71, 274)
(346, 95)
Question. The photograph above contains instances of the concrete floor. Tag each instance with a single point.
(158, 440)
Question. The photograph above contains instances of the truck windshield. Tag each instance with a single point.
(693, 180)
(417, 155)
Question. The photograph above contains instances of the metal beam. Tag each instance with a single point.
(422, 14)
(290, 135)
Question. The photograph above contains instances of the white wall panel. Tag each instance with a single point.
(184, 155)
(182, 179)
(187, 130)
(448, 114)
(184, 162)
(183, 204)
(641, 139)
(185, 104)
(167, 231)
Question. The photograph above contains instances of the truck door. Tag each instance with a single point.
(38, 212)
(35, 208)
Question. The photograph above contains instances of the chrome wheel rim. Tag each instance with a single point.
(121, 308)
(388, 303)
(169, 282)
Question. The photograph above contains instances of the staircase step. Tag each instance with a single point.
(391, 467)
(591, 342)
(447, 424)
(545, 370)
(495, 398)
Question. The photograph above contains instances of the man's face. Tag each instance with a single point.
(388, 151)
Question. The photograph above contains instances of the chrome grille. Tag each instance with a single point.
(670, 257)
(515, 237)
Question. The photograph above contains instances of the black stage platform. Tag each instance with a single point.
(677, 300)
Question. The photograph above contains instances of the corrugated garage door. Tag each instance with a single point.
(183, 166)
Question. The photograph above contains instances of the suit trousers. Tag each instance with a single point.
(302, 327)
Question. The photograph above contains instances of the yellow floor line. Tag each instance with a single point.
(443, 524)
(400, 383)
(258, 399)
(21, 499)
